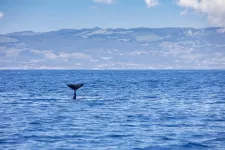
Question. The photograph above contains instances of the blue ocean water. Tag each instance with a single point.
(127, 110)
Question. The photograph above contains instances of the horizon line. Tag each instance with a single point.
(64, 69)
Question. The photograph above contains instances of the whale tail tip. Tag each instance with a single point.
(75, 87)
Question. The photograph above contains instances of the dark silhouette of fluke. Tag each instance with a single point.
(75, 87)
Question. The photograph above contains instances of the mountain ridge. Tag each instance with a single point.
(99, 48)
(111, 29)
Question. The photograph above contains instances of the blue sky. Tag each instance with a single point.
(48, 15)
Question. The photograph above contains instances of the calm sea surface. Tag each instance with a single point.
(125, 110)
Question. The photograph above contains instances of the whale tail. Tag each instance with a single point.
(75, 87)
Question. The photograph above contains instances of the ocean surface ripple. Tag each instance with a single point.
(127, 110)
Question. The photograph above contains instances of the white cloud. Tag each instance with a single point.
(106, 58)
(221, 30)
(1, 15)
(11, 52)
(37, 61)
(73, 55)
(151, 3)
(191, 56)
(214, 9)
(137, 53)
(51, 55)
(105, 1)
(184, 12)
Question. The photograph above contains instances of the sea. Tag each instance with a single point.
(114, 110)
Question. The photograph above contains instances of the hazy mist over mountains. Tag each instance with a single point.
(97, 48)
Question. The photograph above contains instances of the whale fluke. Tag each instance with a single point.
(75, 87)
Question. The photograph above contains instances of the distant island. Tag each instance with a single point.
(98, 48)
